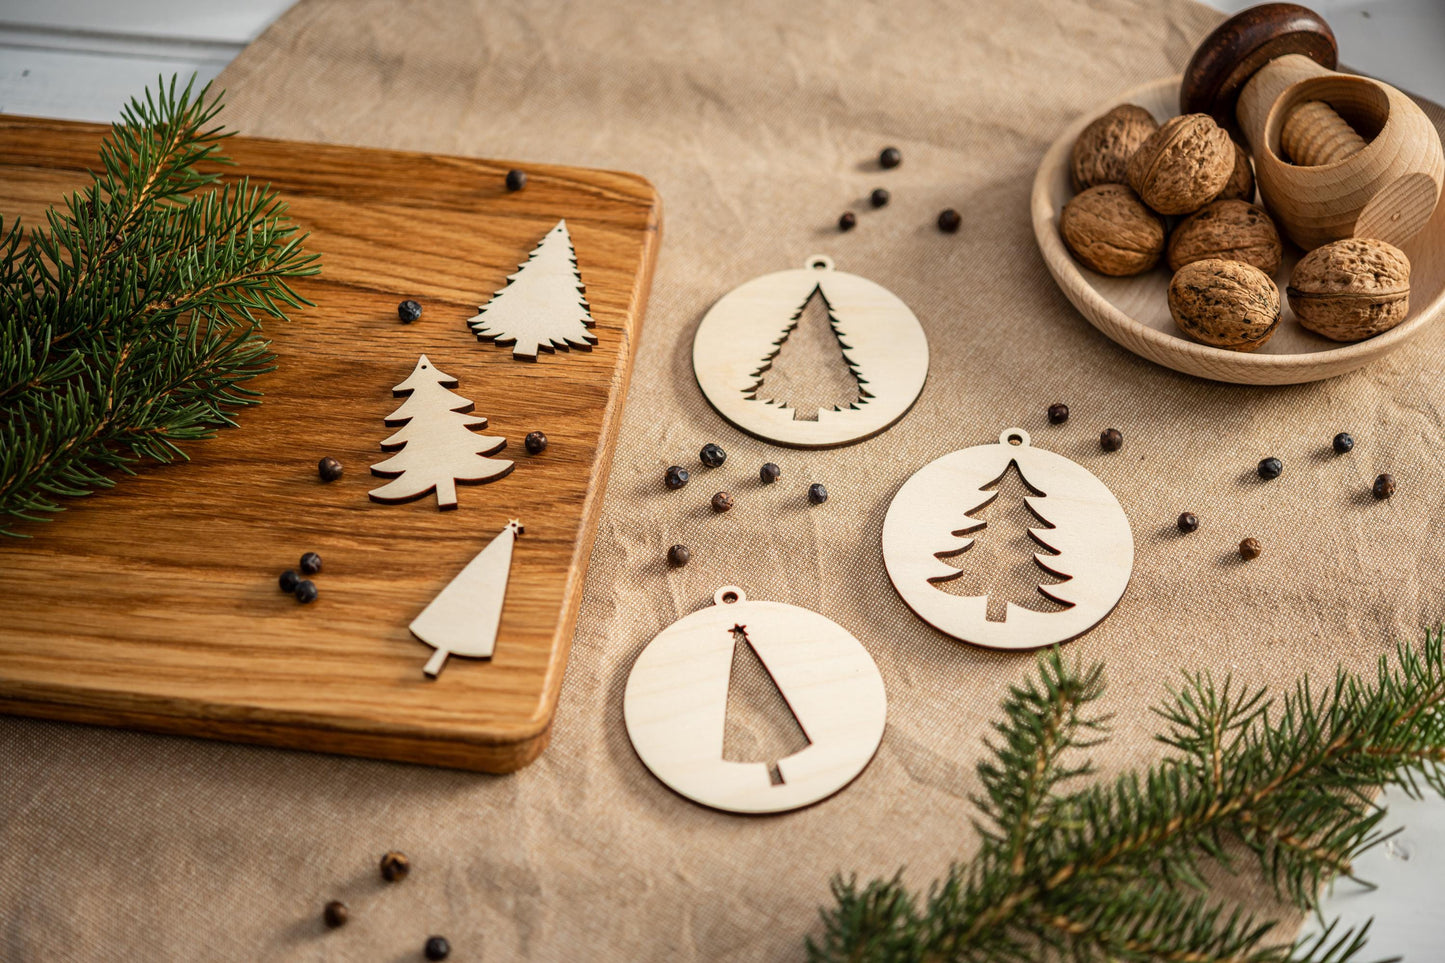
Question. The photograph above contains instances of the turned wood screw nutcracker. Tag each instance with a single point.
(1335, 155)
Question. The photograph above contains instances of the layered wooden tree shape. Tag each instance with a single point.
(438, 447)
(543, 307)
(839, 379)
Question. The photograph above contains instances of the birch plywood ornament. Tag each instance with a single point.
(1087, 546)
(437, 445)
(880, 339)
(463, 618)
(675, 704)
(543, 307)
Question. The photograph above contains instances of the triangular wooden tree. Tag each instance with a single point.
(753, 696)
(438, 446)
(543, 306)
(463, 618)
(759, 391)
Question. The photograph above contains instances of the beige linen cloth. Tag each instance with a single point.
(759, 123)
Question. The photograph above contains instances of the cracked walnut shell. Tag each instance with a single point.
(1102, 151)
(1351, 289)
(1111, 232)
(1183, 165)
(1230, 230)
(1227, 304)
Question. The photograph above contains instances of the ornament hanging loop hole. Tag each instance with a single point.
(819, 262)
(729, 595)
(1016, 437)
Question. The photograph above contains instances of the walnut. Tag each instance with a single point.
(1240, 186)
(1183, 165)
(1111, 232)
(1352, 289)
(1227, 304)
(1231, 230)
(1101, 154)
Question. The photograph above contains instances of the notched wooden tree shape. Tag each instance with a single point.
(437, 445)
(1088, 545)
(842, 379)
(676, 704)
(463, 618)
(544, 305)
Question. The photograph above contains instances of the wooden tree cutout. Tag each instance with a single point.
(760, 390)
(543, 307)
(437, 445)
(463, 618)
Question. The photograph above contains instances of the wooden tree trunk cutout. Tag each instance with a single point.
(806, 387)
(543, 306)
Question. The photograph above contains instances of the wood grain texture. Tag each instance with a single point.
(1134, 312)
(155, 605)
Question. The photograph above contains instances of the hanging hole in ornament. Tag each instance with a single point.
(728, 595)
(820, 262)
(1016, 437)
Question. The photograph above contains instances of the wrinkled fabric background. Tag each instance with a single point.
(759, 123)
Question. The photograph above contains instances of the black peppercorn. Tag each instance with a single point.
(329, 469)
(949, 220)
(1343, 443)
(1188, 522)
(879, 197)
(890, 157)
(535, 442)
(516, 180)
(847, 221)
(1270, 468)
(408, 311)
(712, 455)
(722, 502)
(769, 473)
(437, 948)
(1249, 549)
(289, 579)
(678, 556)
(395, 866)
(1384, 486)
(1111, 439)
(311, 563)
(305, 591)
(1058, 413)
(676, 477)
(335, 914)
(817, 494)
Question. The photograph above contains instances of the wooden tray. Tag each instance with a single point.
(1134, 311)
(155, 605)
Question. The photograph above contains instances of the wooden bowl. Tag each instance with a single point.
(1134, 312)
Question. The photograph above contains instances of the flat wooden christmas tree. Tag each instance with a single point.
(438, 446)
(542, 307)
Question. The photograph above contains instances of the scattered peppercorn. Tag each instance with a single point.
(1270, 468)
(880, 197)
(847, 221)
(678, 556)
(1111, 439)
(1058, 413)
(395, 866)
(817, 494)
(335, 914)
(676, 477)
(949, 220)
(1188, 522)
(890, 157)
(437, 948)
(329, 469)
(770, 473)
(408, 311)
(712, 455)
(1343, 443)
(305, 591)
(310, 563)
(535, 442)
(1249, 549)
(1384, 486)
(516, 180)
(722, 502)
(289, 579)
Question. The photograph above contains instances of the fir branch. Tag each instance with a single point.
(1115, 871)
(130, 322)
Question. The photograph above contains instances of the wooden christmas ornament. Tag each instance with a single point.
(675, 704)
(881, 341)
(463, 618)
(1088, 548)
(437, 445)
(543, 307)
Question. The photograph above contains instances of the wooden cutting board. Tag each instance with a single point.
(155, 605)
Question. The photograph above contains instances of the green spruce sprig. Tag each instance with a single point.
(130, 321)
(1115, 871)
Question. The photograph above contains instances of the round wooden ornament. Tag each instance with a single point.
(675, 704)
(881, 340)
(1088, 545)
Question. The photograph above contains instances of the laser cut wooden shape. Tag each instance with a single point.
(675, 704)
(437, 445)
(879, 335)
(764, 387)
(463, 618)
(543, 307)
(1091, 544)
